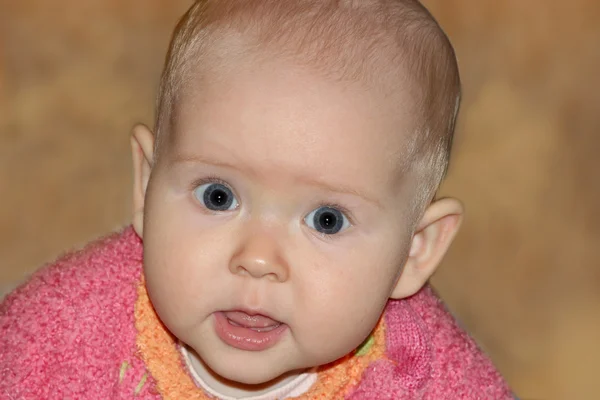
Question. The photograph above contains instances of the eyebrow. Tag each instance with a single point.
(340, 189)
(184, 159)
(194, 159)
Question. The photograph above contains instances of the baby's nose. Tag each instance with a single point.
(259, 256)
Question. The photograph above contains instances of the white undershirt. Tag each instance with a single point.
(295, 387)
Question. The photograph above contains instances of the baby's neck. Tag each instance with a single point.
(298, 381)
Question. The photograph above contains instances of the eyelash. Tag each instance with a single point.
(340, 208)
(214, 179)
(209, 179)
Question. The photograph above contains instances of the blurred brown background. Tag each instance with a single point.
(524, 275)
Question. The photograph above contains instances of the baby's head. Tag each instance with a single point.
(288, 190)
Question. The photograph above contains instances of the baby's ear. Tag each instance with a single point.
(433, 237)
(142, 147)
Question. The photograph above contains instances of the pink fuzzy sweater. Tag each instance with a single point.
(83, 328)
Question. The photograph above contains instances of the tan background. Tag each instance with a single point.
(524, 275)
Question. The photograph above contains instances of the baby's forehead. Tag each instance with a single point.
(280, 89)
(284, 117)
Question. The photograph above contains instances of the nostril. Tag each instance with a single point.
(240, 270)
(259, 273)
(273, 277)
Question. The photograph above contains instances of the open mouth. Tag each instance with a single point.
(248, 332)
(256, 329)
(256, 322)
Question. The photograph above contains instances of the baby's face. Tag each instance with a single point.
(276, 221)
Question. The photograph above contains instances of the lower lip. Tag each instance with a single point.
(243, 338)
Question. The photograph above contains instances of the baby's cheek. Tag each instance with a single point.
(337, 326)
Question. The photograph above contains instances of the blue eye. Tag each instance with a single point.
(216, 197)
(327, 220)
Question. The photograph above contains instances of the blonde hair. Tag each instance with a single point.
(356, 40)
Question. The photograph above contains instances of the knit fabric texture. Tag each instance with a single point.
(84, 328)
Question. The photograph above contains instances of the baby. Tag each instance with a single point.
(285, 212)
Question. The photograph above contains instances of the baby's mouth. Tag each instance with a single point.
(256, 322)
(251, 332)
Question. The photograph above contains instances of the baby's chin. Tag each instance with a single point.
(259, 381)
(249, 370)
(254, 376)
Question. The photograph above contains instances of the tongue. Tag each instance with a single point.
(250, 321)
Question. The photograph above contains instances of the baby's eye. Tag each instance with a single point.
(327, 220)
(216, 197)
